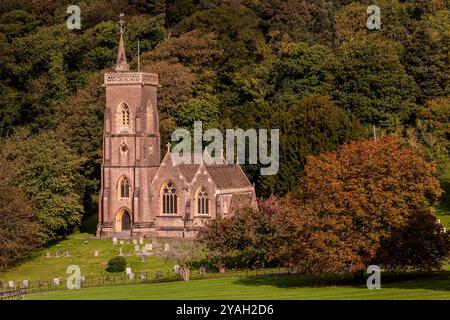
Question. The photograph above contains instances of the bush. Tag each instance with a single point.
(117, 264)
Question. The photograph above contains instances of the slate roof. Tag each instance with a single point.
(227, 176)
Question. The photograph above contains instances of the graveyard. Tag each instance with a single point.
(87, 252)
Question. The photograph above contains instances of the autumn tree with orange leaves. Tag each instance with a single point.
(367, 203)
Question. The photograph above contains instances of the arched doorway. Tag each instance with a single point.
(123, 220)
(126, 221)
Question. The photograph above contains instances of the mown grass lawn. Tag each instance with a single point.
(276, 287)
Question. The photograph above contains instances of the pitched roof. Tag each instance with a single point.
(227, 176)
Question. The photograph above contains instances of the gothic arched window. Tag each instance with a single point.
(124, 188)
(202, 201)
(125, 115)
(169, 198)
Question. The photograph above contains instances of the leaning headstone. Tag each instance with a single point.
(128, 270)
(141, 240)
(11, 284)
(114, 240)
(120, 252)
(49, 254)
(136, 247)
(135, 241)
(143, 258)
(67, 253)
(166, 247)
(96, 253)
(25, 283)
(56, 282)
(176, 268)
(143, 275)
(121, 242)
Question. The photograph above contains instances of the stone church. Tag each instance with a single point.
(142, 196)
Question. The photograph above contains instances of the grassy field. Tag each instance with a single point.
(82, 247)
(281, 287)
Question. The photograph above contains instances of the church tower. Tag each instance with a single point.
(131, 148)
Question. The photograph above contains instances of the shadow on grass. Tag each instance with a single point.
(439, 281)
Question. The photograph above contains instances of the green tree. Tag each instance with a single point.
(50, 178)
(369, 80)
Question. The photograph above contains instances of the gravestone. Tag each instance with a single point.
(85, 242)
(128, 270)
(143, 258)
(144, 251)
(131, 276)
(114, 240)
(128, 254)
(127, 242)
(96, 253)
(67, 253)
(201, 270)
(49, 254)
(11, 284)
(121, 241)
(56, 282)
(176, 268)
(143, 275)
(135, 241)
(141, 240)
(25, 283)
(159, 274)
(222, 270)
(120, 252)
(166, 247)
(136, 247)
(148, 246)
(58, 254)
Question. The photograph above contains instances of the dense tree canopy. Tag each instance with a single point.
(308, 68)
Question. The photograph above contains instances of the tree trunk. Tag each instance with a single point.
(186, 273)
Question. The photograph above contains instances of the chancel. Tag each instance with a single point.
(140, 195)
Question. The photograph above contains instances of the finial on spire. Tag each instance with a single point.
(121, 64)
(168, 145)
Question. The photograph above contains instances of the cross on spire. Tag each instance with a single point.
(168, 145)
(121, 22)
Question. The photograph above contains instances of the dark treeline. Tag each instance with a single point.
(310, 68)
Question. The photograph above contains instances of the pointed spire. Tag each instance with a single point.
(121, 64)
